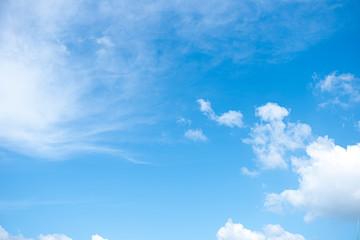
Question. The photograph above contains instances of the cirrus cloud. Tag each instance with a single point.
(338, 89)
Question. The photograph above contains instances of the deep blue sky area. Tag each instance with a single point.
(173, 120)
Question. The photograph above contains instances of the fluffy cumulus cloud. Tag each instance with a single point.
(230, 118)
(329, 182)
(273, 139)
(195, 135)
(236, 231)
(4, 235)
(338, 89)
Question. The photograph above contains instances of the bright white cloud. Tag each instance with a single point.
(97, 237)
(271, 112)
(276, 232)
(339, 89)
(329, 182)
(230, 118)
(54, 237)
(195, 135)
(273, 139)
(236, 231)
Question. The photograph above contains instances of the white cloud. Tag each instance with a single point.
(329, 182)
(357, 125)
(276, 232)
(204, 22)
(195, 135)
(49, 106)
(64, 80)
(97, 237)
(106, 41)
(205, 107)
(339, 89)
(249, 173)
(4, 235)
(230, 118)
(271, 112)
(273, 139)
(184, 121)
(236, 231)
(54, 237)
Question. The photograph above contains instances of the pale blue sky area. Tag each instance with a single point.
(173, 120)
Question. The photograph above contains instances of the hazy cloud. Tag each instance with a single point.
(338, 89)
(249, 173)
(184, 121)
(195, 135)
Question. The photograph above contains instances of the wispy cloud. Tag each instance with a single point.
(54, 101)
(357, 125)
(230, 118)
(249, 173)
(196, 135)
(184, 121)
(338, 89)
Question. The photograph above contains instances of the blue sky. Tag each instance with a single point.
(224, 120)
